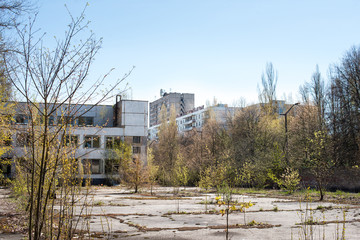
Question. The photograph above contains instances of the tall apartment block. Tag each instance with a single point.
(183, 103)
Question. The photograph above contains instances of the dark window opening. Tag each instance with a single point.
(21, 119)
(71, 140)
(5, 167)
(111, 166)
(51, 120)
(65, 120)
(92, 166)
(91, 142)
(86, 121)
(136, 139)
(112, 142)
(136, 150)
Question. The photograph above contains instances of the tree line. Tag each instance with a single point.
(320, 147)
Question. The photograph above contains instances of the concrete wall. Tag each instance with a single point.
(183, 103)
(133, 122)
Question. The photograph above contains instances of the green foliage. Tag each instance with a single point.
(245, 174)
(206, 181)
(253, 223)
(118, 161)
(181, 176)
(136, 174)
(167, 149)
(290, 180)
(225, 201)
(274, 178)
(319, 162)
(221, 174)
(131, 169)
(226, 192)
(20, 188)
(6, 116)
(152, 168)
(217, 176)
(276, 170)
(260, 177)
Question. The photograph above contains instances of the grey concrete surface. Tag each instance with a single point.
(121, 214)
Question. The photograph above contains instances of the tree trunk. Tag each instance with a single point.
(321, 191)
(227, 223)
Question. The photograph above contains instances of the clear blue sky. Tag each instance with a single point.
(212, 48)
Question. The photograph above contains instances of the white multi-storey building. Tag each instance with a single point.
(196, 118)
(95, 131)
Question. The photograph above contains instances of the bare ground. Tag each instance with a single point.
(12, 222)
(117, 213)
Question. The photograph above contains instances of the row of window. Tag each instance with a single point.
(80, 121)
(90, 166)
(90, 141)
(193, 117)
(93, 141)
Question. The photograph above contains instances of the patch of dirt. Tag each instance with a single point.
(157, 198)
(157, 229)
(247, 226)
(114, 215)
(328, 222)
(11, 221)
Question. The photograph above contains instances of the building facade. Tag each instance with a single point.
(196, 118)
(183, 102)
(93, 133)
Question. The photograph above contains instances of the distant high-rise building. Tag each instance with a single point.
(196, 118)
(183, 102)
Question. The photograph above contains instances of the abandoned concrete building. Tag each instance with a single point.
(98, 128)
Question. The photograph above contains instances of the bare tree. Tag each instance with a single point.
(269, 81)
(53, 82)
(344, 108)
(317, 89)
(304, 93)
(10, 10)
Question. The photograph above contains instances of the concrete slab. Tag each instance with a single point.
(141, 216)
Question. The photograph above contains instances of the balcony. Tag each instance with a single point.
(188, 128)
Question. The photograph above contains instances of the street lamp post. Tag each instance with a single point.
(286, 132)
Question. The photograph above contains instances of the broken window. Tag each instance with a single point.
(91, 142)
